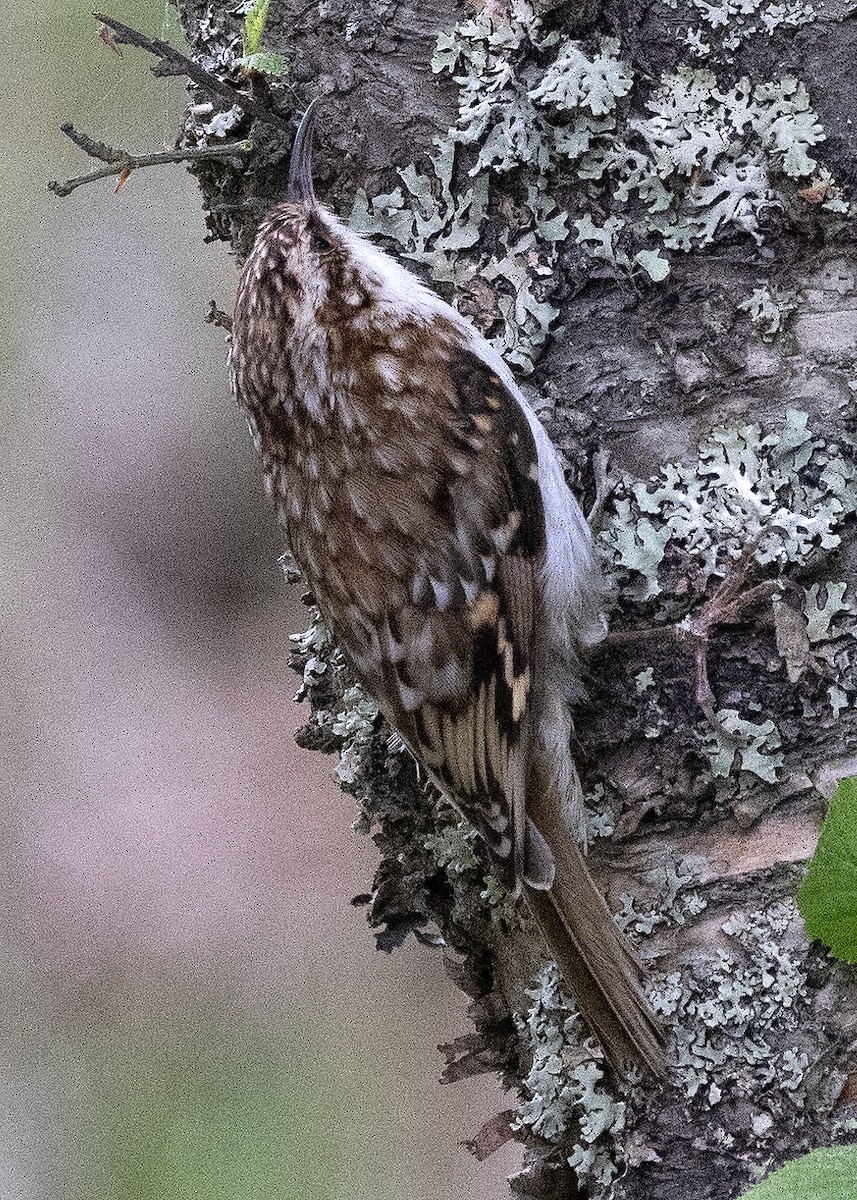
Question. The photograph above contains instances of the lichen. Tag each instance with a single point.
(441, 230)
(652, 712)
(823, 602)
(732, 23)
(658, 168)
(348, 720)
(452, 845)
(781, 494)
(672, 898)
(576, 82)
(768, 309)
(316, 649)
(565, 1101)
(773, 499)
(738, 744)
(736, 1018)
(673, 167)
(355, 723)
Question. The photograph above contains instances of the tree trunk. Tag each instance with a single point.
(635, 202)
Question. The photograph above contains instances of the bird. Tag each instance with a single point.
(429, 514)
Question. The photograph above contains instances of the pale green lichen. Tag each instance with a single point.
(819, 636)
(576, 82)
(354, 717)
(431, 225)
(315, 644)
(671, 894)
(495, 111)
(768, 309)
(222, 124)
(732, 23)
(599, 241)
(706, 156)
(737, 744)
(504, 126)
(655, 266)
(827, 642)
(596, 818)
(442, 231)
(737, 1023)
(779, 496)
(784, 493)
(824, 602)
(565, 1098)
(452, 844)
(679, 166)
(651, 708)
(644, 680)
(637, 544)
(355, 723)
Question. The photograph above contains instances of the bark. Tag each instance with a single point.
(731, 429)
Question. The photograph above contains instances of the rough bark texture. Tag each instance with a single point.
(731, 428)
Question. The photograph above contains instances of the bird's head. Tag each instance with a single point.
(310, 268)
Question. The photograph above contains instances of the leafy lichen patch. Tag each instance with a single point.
(768, 310)
(670, 167)
(565, 1100)
(737, 1025)
(723, 28)
(785, 493)
(739, 744)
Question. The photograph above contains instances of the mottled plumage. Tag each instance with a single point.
(429, 513)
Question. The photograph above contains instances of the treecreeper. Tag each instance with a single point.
(429, 513)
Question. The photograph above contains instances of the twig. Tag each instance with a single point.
(216, 316)
(172, 62)
(93, 148)
(120, 162)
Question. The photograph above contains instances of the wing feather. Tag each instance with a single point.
(450, 648)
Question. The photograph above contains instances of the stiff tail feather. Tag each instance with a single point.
(594, 958)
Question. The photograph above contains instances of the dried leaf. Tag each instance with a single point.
(792, 639)
(819, 189)
(494, 1133)
(109, 38)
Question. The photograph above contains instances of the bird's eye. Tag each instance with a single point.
(320, 243)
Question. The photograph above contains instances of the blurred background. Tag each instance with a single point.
(189, 1008)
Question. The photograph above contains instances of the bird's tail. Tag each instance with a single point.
(594, 957)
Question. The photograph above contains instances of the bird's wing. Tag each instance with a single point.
(448, 647)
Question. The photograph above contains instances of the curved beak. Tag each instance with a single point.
(300, 190)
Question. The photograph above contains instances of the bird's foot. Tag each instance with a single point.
(730, 600)
(605, 485)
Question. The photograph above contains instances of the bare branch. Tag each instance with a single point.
(172, 62)
(121, 162)
(93, 148)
